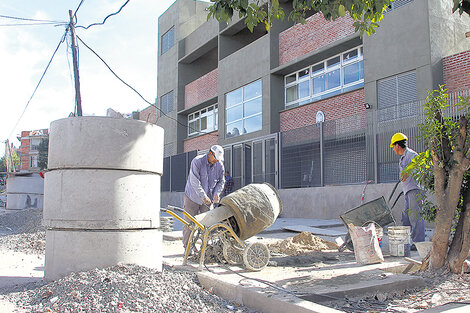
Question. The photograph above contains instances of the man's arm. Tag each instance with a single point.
(220, 184)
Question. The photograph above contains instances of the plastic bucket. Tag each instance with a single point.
(380, 234)
(399, 240)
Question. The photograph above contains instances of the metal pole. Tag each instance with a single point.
(322, 151)
(78, 99)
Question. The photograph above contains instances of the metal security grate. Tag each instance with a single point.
(341, 160)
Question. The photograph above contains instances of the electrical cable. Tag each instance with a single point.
(75, 13)
(32, 24)
(104, 21)
(40, 80)
(31, 19)
(133, 89)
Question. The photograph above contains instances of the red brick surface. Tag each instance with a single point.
(314, 34)
(340, 106)
(148, 114)
(456, 71)
(201, 142)
(201, 89)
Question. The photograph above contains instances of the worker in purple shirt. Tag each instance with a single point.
(411, 215)
(205, 184)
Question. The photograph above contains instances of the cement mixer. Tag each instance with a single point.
(241, 215)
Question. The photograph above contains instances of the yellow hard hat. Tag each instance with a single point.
(397, 137)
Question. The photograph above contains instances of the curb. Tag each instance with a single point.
(256, 298)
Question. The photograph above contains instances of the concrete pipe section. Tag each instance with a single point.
(25, 192)
(102, 194)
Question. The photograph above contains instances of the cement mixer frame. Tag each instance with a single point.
(255, 256)
(241, 215)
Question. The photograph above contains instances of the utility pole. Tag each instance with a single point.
(78, 99)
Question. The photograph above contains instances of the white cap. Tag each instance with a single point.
(218, 152)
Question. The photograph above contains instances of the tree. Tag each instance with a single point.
(366, 13)
(443, 169)
(462, 6)
(15, 158)
(43, 149)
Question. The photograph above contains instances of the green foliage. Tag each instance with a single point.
(366, 13)
(43, 149)
(462, 6)
(440, 131)
(16, 161)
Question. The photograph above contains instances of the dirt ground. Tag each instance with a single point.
(305, 252)
(306, 249)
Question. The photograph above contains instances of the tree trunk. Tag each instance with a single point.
(447, 200)
(460, 245)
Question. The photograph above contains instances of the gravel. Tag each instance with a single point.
(121, 288)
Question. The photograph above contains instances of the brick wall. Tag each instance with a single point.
(148, 114)
(201, 142)
(341, 106)
(456, 71)
(314, 34)
(201, 89)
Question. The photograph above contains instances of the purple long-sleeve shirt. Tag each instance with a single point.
(204, 179)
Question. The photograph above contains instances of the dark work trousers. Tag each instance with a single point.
(194, 209)
(411, 215)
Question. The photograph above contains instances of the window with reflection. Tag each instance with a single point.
(341, 73)
(203, 121)
(243, 110)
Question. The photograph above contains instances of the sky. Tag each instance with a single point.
(127, 42)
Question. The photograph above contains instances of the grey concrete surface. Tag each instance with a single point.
(16, 201)
(101, 193)
(298, 287)
(33, 184)
(106, 199)
(70, 251)
(105, 142)
(324, 203)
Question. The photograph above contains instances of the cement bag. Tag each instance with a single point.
(366, 244)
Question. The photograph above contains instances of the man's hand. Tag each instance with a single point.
(206, 200)
(404, 177)
(216, 198)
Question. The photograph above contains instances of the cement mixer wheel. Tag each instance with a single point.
(256, 256)
(232, 255)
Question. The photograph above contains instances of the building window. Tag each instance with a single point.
(243, 110)
(33, 161)
(203, 121)
(166, 102)
(341, 73)
(168, 40)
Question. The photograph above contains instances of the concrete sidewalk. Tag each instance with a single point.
(302, 284)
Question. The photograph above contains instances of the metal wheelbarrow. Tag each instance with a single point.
(376, 211)
(224, 229)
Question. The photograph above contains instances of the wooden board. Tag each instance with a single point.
(316, 230)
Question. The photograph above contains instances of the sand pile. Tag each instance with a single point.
(302, 243)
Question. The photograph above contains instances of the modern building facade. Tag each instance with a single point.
(29, 152)
(308, 108)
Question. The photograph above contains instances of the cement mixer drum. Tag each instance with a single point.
(255, 207)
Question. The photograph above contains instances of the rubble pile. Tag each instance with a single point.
(21, 221)
(123, 288)
(302, 243)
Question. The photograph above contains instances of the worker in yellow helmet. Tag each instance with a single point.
(411, 215)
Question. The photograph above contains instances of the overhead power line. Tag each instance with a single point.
(31, 24)
(104, 21)
(138, 93)
(30, 19)
(79, 5)
(40, 80)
